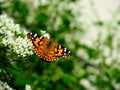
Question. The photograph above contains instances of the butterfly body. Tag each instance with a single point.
(47, 48)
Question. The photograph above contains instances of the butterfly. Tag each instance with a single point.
(47, 48)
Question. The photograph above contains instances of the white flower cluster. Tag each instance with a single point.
(14, 37)
(28, 87)
(43, 33)
(22, 46)
(5, 86)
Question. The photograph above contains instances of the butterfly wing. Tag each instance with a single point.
(40, 46)
(39, 43)
(47, 48)
(56, 51)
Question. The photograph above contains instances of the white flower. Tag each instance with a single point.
(27, 87)
(22, 46)
(82, 53)
(7, 24)
(15, 37)
(43, 33)
(5, 86)
(86, 83)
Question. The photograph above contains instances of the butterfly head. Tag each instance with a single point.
(31, 36)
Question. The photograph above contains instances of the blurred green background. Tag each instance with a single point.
(89, 30)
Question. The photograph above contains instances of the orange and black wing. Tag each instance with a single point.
(56, 51)
(47, 48)
(39, 43)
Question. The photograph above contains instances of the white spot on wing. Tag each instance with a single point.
(35, 35)
(65, 49)
(59, 46)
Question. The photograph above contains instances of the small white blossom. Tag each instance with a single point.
(82, 53)
(5, 86)
(27, 87)
(43, 33)
(86, 83)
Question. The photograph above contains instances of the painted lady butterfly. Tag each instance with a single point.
(47, 48)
